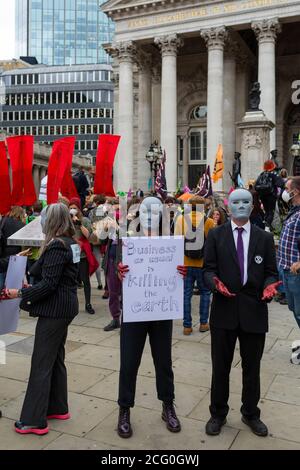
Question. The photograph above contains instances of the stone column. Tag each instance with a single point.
(215, 40)
(156, 103)
(242, 94)
(116, 100)
(168, 130)
(144, 123)
(266, 32)
(123, 169)
(185, 160)
(229, 108)
(36, 179)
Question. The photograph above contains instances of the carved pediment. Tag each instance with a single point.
(114, 7)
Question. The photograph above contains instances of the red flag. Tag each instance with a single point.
(68, 188)
(20, 150)
(107, 147)
(5, 195)
(60, 163)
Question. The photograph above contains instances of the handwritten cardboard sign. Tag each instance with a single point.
(153, 289)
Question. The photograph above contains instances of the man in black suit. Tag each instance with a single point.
(240, 269)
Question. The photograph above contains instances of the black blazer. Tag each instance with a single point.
(55, 296)
(246, 310)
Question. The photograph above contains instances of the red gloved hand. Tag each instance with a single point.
(123, 269)
(222, 288)
(182, 270)
(270, 291)
(4, 294)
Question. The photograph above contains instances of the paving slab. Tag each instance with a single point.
(10, 440)
(26, 346)
(150, 432)
(10, 389)
(65, 441)
(17, 366)
(246, 441)
(285, 389)
(80, 377)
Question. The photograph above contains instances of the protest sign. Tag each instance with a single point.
(152, 289)
(30, 235)
(9, 309)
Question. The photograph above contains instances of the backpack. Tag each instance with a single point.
(199, 252)
(264, 184)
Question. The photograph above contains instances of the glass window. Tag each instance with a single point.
(63, 114)
(88, 129)
(76, 113)
(195, 146)
(28, 117)
(82, 129)
(52, 116)
(107, 129)
(22, 116)
(95, 129)
(95, 113)
(89, 113)
(76, 129)
(107, 113)
(40, 115)
(82, 113)
(101, 112)
(70, 113)
(46, 115)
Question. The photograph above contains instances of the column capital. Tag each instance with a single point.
(143, 61)
(266, 30)
(168, 45)
(124, 51)
(215, 38)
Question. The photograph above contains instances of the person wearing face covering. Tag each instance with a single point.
(53, 300)
(289, 247)
(133, 337)
(240, 269)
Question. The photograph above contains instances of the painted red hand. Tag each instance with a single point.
(182, 270)
(123, 269)
(271, 290)
(222, 288)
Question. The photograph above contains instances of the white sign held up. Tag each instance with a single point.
(153, 288)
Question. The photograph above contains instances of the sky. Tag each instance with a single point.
(7, 29)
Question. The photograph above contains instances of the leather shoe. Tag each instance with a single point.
(187, 330)
(89, 309)
(170, 417)
(214, 425)
(124, 426)
(203, 327)
(256, 426)
(113, 325)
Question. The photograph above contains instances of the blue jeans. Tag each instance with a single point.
(281, 288)
(195, 274)
(292, 291)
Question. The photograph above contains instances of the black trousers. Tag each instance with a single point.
(269, 203)
(85, 278)
(47, 387)
(133, 337)
(222, 350)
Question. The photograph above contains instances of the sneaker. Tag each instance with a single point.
(187, 330)
(170, 417)
(89, 309)
(203, 327)
(100, 287)
(213, 426)
(105, 295)
(61, 417)
(22, 428)
(113, 325)
(124, 426)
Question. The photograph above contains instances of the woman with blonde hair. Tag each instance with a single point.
(54, 301)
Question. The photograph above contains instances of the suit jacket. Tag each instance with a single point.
(55, 295)
(246, 310)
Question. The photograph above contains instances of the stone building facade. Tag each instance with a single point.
(183, 69)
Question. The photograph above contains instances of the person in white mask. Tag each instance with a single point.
(240, 269)
(289, 247)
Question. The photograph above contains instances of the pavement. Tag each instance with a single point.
(92, 359)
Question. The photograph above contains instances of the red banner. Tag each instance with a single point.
(68, 188)
(20, 150)
(5, 195)
(59, 167)
(107, 147)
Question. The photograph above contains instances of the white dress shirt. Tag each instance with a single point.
(246, 240)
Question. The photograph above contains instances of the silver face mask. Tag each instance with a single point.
(240, 203)
(150, 214)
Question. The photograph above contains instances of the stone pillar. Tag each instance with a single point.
(215, 40)
(116, 99)
(123, 169)
(242, 94)
(185, 160)
(36, 179)
(266, 32)
(256, 128)
(156, 103)
(229, 108)
(144, 123)
(168, 130)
